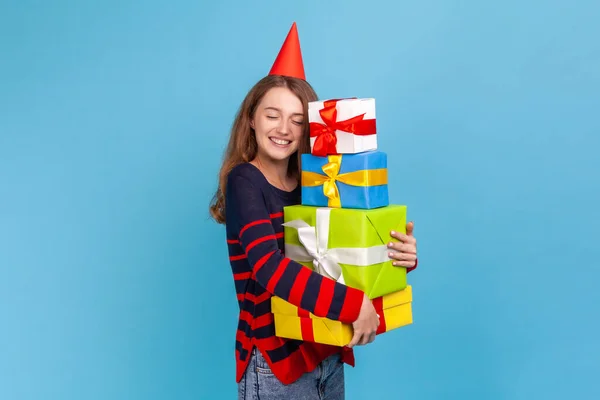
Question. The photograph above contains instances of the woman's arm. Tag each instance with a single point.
(279, 275)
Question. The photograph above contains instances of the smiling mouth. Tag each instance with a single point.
(280, 142)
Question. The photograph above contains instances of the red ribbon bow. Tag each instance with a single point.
(326, 139)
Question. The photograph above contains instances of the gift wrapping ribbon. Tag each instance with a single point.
(307, 329)
(364, 177)
(315, 242)
(326, 139)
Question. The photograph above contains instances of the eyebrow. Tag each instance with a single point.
(278, 110)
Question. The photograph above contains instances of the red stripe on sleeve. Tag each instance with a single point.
(259, 241)
(237, 258)
(242, 275)
(262, 261)
(277, 275)
(302, 313)
(276, 215)
(232, 241)
(352, 305)
(299, 285)
(253, 223)
(306, 327)
(325, 296)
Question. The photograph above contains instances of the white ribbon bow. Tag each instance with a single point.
(326, 261)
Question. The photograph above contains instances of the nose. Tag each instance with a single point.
(284, 127)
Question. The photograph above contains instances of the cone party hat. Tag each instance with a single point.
(289, 60)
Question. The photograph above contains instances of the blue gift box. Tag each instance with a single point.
(345, 180)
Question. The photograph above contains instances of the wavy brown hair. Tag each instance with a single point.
(242, 145)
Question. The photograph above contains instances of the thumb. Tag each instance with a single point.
(409, 228)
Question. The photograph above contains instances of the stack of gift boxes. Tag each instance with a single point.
(342, 226)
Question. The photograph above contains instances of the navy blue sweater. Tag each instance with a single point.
(254, 214)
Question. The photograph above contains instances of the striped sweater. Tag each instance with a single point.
(254, 215)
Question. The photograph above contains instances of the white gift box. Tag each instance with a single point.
(345, 126)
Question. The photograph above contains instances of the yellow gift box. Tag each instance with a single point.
(394, 309)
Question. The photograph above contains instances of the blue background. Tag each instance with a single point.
(114, 284)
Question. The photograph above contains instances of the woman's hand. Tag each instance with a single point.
(365, 327)
(404, 252)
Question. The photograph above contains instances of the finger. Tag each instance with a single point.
(372, 337)
(364, 340)
(409, 228)
(355, 339)
(403, 237)
(406, 263)
(402, 256)
(403, 247)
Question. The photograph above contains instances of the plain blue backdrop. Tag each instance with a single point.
(114, 283)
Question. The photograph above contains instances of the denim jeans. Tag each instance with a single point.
(326, 382)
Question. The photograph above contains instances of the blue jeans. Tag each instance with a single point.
(326, 382)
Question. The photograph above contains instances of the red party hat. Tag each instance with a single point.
(289, 60)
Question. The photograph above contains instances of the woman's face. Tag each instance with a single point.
(278, 124)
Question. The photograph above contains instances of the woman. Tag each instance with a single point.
(260, 175)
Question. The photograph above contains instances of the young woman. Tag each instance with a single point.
(260, 175)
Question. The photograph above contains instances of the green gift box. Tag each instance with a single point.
(347, 245)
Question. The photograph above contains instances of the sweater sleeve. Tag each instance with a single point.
(279, 275)
(414, 267)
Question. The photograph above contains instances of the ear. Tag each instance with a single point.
(252, 123)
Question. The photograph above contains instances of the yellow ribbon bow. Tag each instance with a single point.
(363, 177)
